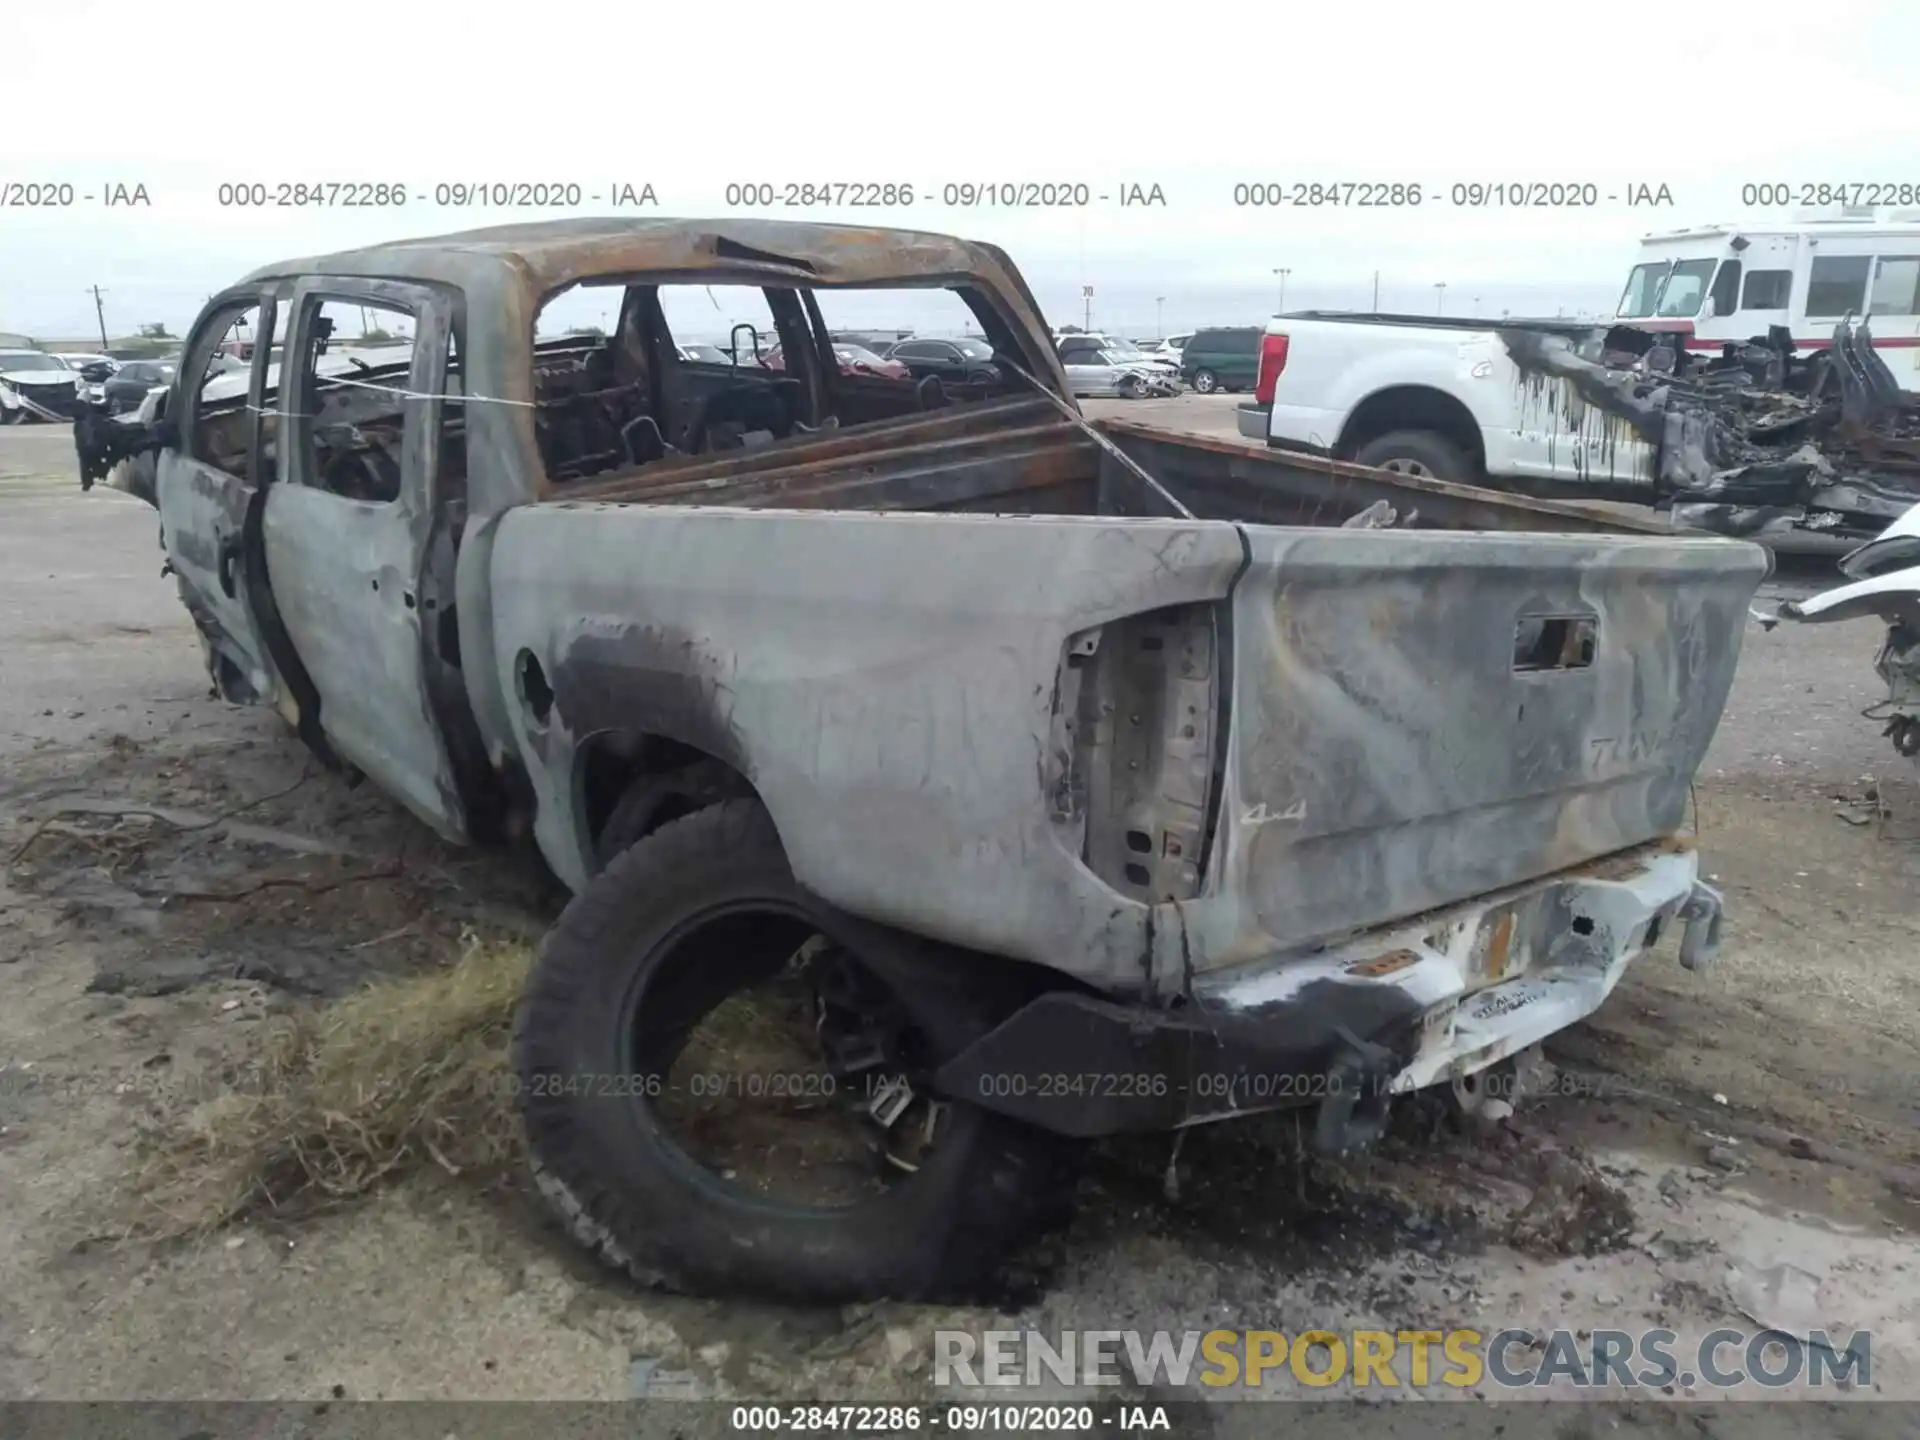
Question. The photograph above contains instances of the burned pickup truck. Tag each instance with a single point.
(943, 780)
(1755, 439)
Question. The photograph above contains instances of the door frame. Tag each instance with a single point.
(357, 730)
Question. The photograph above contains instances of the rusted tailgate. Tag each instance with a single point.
(1419, 718)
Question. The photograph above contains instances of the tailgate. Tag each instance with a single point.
(1422, 717)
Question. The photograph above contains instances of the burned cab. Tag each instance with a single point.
(942, 779)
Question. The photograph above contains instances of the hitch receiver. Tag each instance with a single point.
(1704, 913)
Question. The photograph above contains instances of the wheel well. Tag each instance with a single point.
(1411, 407)
(611, 761)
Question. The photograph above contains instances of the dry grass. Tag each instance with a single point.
(408, 1072)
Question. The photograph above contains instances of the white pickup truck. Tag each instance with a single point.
(1439, 398)
(1801, 445)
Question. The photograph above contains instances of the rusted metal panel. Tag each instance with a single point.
(1229, 478)
(886, 682)
(991, 418)
(1389, 757)
(505, 273)
(929, 475)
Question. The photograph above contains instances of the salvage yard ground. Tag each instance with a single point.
(180, 874)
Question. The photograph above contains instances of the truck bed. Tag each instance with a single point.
(1023, 457)
(1055, 724)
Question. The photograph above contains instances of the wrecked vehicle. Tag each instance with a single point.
(1885, 576)
(1814, 451)
(943, 780)
(37, 386)
(1758, 440)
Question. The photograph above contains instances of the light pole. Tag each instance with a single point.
(1476, 307)
(1283, 271)
(1159, 325)
(1440, 297)
(1086, 296)
(1376, 292)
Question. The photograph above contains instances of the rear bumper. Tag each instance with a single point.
(1345, 1029)
(1255, 421)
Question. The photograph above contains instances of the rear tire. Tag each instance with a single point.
(1205, 381)
(655, 800)
(609, 1007)
(1416, 452)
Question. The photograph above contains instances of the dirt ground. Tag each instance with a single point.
(178, 873)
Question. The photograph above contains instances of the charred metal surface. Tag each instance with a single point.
(1385, 745)
(1433, 997)
(886, 682)
(1144, 696)
(914, 475)
(996, 418)
(1224, 479)
(1148, 1068)
(505, 273)
(1143, 752)
(103, 441)
(1755, 441)
(203, 515)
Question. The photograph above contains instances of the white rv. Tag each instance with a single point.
(1716, 283)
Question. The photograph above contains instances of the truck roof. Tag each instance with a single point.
(1439, 322)
(549, 254)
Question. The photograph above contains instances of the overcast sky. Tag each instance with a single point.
(1698, 99)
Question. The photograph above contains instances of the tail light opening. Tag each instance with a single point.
(1273, 359)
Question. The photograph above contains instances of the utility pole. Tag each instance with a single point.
(1086, 296)
(1376, 292)
(1440, 297)
(1159, 325)
(100, 313)
(1282, 271)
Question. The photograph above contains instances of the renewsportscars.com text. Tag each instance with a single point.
(1458, 1358)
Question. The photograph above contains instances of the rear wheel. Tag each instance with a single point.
(724, 1086)
(1425, 453)
(1205, 381)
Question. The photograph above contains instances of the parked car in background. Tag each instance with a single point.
(878, 341)
(853, 359)
(704, 354)
(92, 368)
(1115, 351)
(1227, 358)
(960, 361)
(36, 386)
(746, 348)
(1094, 371)
(1103, 365)
(858, 360)
(1167, 349)
(128, 386)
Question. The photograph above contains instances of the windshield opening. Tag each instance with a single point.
(1643, 289)
(1685, 289)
